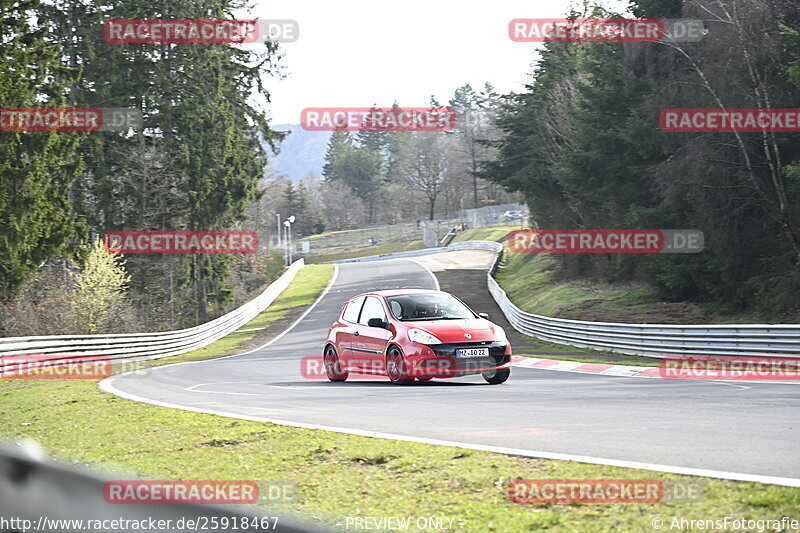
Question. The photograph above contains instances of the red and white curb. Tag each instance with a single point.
(608, 369)
(586, 368)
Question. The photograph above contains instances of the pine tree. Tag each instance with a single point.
(36, 168)
(373, 138)
(340, 140)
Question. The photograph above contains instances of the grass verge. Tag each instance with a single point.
(396, 232)
(493, 233)
(528, 279)
(363, 251)
(340, 475)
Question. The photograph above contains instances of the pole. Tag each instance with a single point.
(286, 240)
(290, 243)
(279, 229)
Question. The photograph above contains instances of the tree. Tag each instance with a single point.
(475, 128)
(360, 169)
(338, 143)
(297, 203)
(99, 290)
(37, 168)
(341, 209)
(373, 138)
(423, 164)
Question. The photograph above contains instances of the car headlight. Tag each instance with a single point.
(422, 337)
(500, 335)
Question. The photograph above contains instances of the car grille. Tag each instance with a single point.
(495, 348)
(496, 355)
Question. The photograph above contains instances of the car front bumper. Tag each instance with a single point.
(440, 360)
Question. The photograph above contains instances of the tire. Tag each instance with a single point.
(333, 367)
(496, 377)
(396, 367)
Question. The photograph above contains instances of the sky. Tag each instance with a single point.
(359, 53)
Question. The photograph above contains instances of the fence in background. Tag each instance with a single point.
(416, 231)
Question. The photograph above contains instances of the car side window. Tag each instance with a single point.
(372, 309)
(351, 311)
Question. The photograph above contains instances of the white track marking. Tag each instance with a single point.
(426, 267)
(730, 384)
(107, 386)
(193, 388)
(297, 388)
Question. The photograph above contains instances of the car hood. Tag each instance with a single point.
(455, 331)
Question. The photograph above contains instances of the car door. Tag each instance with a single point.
(369, 343)
(344, 334)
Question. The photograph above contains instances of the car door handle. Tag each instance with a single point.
(355, 334)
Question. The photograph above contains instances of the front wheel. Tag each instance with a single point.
(497, 376)
(396, 367)
(333, 368)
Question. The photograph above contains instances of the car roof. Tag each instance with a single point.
(399, 292)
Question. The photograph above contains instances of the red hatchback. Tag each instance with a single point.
(415, 333)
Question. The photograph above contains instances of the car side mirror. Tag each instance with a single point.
(483, 315)
(377, 323)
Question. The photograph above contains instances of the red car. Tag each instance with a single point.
(415, 333)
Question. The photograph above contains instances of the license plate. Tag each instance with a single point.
(473, 352)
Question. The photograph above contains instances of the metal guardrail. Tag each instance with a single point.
(132, 346)
(654, 340)
(37, 494)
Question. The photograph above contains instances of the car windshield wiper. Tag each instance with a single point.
(436, 318)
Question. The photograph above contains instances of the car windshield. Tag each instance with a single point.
(409, 307)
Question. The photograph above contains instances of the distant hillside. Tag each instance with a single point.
(300, 153)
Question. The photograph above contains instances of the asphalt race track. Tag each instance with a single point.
(739, 431)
